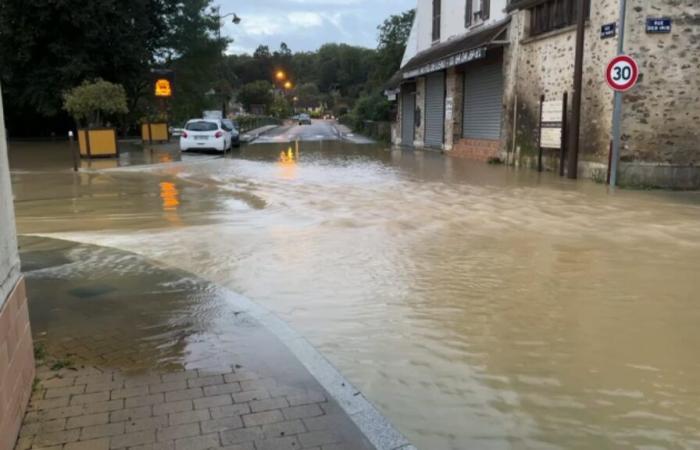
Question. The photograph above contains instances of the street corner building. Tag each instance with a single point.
(475, 73)
(16, 349)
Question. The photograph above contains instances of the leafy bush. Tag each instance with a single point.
(256, 93)
(92, 101)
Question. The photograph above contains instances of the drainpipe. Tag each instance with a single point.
(572, 171)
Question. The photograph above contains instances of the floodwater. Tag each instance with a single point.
(477, 306)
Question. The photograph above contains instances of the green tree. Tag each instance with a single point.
(256, 93)
(393, 34)
(93, 101)
(280, 106)
(308, 95)
(47, 47)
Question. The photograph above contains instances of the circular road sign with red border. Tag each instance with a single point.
(622, 73)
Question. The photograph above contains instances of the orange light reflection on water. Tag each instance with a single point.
(288, 163)
(170, 196)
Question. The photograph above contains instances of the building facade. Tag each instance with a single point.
(453, 48)
(524, 50)
(16, 349)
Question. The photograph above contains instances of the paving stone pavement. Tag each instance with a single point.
(156, 359)
(236, 409)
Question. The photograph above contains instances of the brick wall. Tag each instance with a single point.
(16, 364)
(477, 149)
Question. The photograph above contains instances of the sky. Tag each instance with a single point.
(305, 25)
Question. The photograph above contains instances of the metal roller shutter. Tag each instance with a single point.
(408, 110)
(483, 90)
(434, 109)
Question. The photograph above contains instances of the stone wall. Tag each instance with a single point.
(661, 115)
(418, 141)
(452, 121)
(544, 65)
(16, 351)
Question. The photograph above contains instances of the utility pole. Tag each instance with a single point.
(617, 108)
(572, 171)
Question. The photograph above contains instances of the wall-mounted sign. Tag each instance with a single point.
(608, 30)
(551, 123)
(449, 102)
(163, 88)
(450, 61)
(659, 25)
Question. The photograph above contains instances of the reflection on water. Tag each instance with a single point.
(169, 194)
(287, 161)
(478, 306)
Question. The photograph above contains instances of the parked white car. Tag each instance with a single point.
(205, 134)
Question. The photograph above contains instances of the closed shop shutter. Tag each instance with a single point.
(408, 109)
(434, 109)
(483, 91)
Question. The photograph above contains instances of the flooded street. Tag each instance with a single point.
(477, 306)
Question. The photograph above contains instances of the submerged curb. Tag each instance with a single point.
(377, 428)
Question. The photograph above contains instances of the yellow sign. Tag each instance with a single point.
(163, 88)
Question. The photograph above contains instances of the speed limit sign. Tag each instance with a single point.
(622, 73)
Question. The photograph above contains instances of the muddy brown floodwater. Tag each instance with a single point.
(479, 307)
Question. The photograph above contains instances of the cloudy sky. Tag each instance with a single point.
(306, 24)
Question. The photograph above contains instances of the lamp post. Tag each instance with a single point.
(235, 20)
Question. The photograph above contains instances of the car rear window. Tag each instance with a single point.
(201, 126)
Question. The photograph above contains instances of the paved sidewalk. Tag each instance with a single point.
(137, 356)
(97, 409)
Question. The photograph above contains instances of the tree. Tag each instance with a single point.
(49, 47)
(280, 106)
(308, 95)
(393, 35)
(93, 101)
(256, 93)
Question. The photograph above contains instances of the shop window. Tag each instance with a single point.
(436, 20)
(555, 14)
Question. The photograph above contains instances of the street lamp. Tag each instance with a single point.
(287, 84)
(280, 75)
(235, 20)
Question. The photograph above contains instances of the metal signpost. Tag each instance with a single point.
(622, 74)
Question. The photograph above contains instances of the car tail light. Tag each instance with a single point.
(218, 134)
(184, 134)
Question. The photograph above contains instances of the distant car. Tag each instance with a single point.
(176, 131)
(304, 119)
(205, 134)
(232, 128)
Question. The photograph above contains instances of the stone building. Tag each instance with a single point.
(536, 55)
(16, 350)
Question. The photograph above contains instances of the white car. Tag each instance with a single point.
(205, 134)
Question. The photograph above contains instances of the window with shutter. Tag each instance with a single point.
(555, 14)
(436, 20)
(468, 13)
(485, 9)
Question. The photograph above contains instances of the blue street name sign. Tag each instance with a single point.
(659, 25)
(608, 30)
